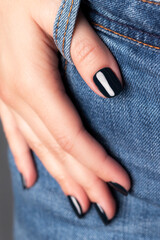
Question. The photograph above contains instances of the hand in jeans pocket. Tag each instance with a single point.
(37, 113)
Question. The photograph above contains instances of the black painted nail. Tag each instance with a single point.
(107, 82)
(119, 188)
(76, 206)
(101, 213)
(23, 181)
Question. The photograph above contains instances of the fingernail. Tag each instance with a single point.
(101, 213)
(23, 181)
(119, 188)
(76, 206)
(107, 82)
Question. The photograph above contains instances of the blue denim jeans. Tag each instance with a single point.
(127, 125)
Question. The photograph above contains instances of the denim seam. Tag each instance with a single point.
(124, 36)
(59, 20)
(150, 2)
(64, 26)
(67, 27)
(130, 27)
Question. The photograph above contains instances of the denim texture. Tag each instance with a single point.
(128, 127)
(64, 26)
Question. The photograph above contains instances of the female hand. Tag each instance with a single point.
(37, 114)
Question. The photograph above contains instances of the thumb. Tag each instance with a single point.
(94, 61)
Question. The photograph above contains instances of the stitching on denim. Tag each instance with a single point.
(67, 26)
(119, 34)
(59, 20)
(128, 26)
(150, 2)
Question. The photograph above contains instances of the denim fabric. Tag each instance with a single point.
(64, 26)
(128, 127)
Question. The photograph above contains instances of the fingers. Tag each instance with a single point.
(96, 189)
(51, 105)
(74, 139)
(19, 148)
(92, 55)
(54, 108)
(71, 174)
(94, 61)
(52, 162)
(68, 131)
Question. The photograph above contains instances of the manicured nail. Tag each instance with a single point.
(101, 213)
(107, 82)
(23, 181)
(76, 206)
(119, 188)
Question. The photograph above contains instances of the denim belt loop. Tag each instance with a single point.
(64, 26)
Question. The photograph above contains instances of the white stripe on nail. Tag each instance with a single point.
(76, 205)
(100, 208)
(102, 79)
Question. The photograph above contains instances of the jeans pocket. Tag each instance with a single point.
(136, 20)
(127, 126)
(64, 26)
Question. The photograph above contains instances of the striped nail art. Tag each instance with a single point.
(101, 213)
(119, 188)
(107, 82)
(76, 206)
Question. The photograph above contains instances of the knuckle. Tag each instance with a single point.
(67, 142)
(84, 50)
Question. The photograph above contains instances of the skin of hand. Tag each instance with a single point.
(34, 102)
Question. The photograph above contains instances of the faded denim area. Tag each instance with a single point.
(128, 126)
